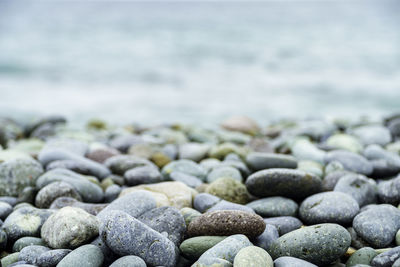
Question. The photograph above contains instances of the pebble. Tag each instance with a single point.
(224, 252)
(189, 214)
(166, 220)
(329, 207)
(89, 191)
(86, 255)
(284, 224)
(52, 257)
(193, 151)
(227, 222)
(344, 141)
(378, 224)
(69, 227)
(3, 239)
(30, 254)
(203, 201)
(305, 243)
(386, 259)
(286, 261)
(112, 192)
(224, 172)
(147, 174)
(193, 248)
(373, 134)
(189, 180)
(91, 208)
(9, 259)
(9, 200)
(351, 161)
(303, 149)
(385, 163)
(260, 161)
(229, 189)
(331, 179)
(252, 256)
(269, 235)
(16, 174)
(288, 183)
(5, 210)
(120, 232)
(121, 163)
(129, 261)
(54, 190)
(184, 166)
(27, 241)
(359, 187)
(389, 191)
(274, 207)
(361, 256)
(226, 205)
(241, 124)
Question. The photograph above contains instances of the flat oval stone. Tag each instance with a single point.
(227, 222)
(27, 241)
(52, 257)
(69, 227)
(121, 163)
(166, 220)
(227, 205)
(91, 208)
(132, 261)
(361, 256)
(9, 259)
(252, 256)
(274, 207)
(30, 254)
(120, 232)
(283, 182)
(351, 161)
(203, 201)
(229, 189)
(147, 174)
(305, 243)
(260, 161)
(193, 248)
(225, 250)
(286, 261)
(373, 134)
(187, 179)
(269, 235)
(86, 255)
(328, 207)
(284, 224)
(52, 191)
(3, 239)
(184, 166)
(223, 172)
(362, 189)
(378, 224)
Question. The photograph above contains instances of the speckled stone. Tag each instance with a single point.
(135, 204)
(227, 222)
(328, 207)
(16, 174)
(362, 189)
(229, 189)
(184, 166)
(120, 232)
(193, 248)
(69, 227)
(166, 220)
(187, 179)
(283, 182)
(147, 174)
(129, 261)
(305, 243)
(5, 210)
(356, 241)
(189, 214)
(378, 224)
(89, 191)
(252, 256)
(203, 201)
(292, 262)
(350, 161)
(260, 161)
(52, 258)
(25, 221)
(9, 259)
(52, 191)
(27, 241)
(389, 191)
(91, 208)
(269, 235)
(386, 259)
(121, 163)
(224, 252)
(87, 255)
(284, 224)
(223, 172)
(3, 239)
(30, 254)
(274, 207)
(227, 205)
(361, 256)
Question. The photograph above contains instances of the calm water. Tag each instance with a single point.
(176, 61)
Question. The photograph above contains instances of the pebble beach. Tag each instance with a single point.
(312, 192)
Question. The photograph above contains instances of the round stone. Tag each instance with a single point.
(5, 210)
(274, 207)
(69, 227)
(351, 161)
(328, 207)
(359, 187)
(27, 241)
(131, 261)
(189, 180)
(373, 134)
(260, 161)
(361, 256)
(226, 205)
(284, 224)
(90, 208)
(193, 248)
(121, 163)
(189, 214)
(252, 257)
(227, 222)
(50, 192)
(3, 239)
(229, 189)
(203, 201)
(52, 257)
(86, 255)
(305, 243)
(283, 182)
(344, 141)
(223, 172)
(147, 174)
(292, 262)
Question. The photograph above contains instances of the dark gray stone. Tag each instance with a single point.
(90, 208)
(112, 192)
(120, 232)
(377, 224)
(269, 235)
(330, 180)
(27, 241)
(109, 255)
(386, 259)
(260, 161)
(274, 207)
(185, 166)
(52, 258)
(362, 189)
(30, 254)
(351, 161)
(328, 207)
(52, 191)
(5, 210)
(289, 183)
(385, 163)
(284, 224)
(389, 191)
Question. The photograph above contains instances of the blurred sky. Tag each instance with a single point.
(197, 62)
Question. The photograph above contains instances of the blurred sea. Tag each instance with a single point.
(195, 62)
